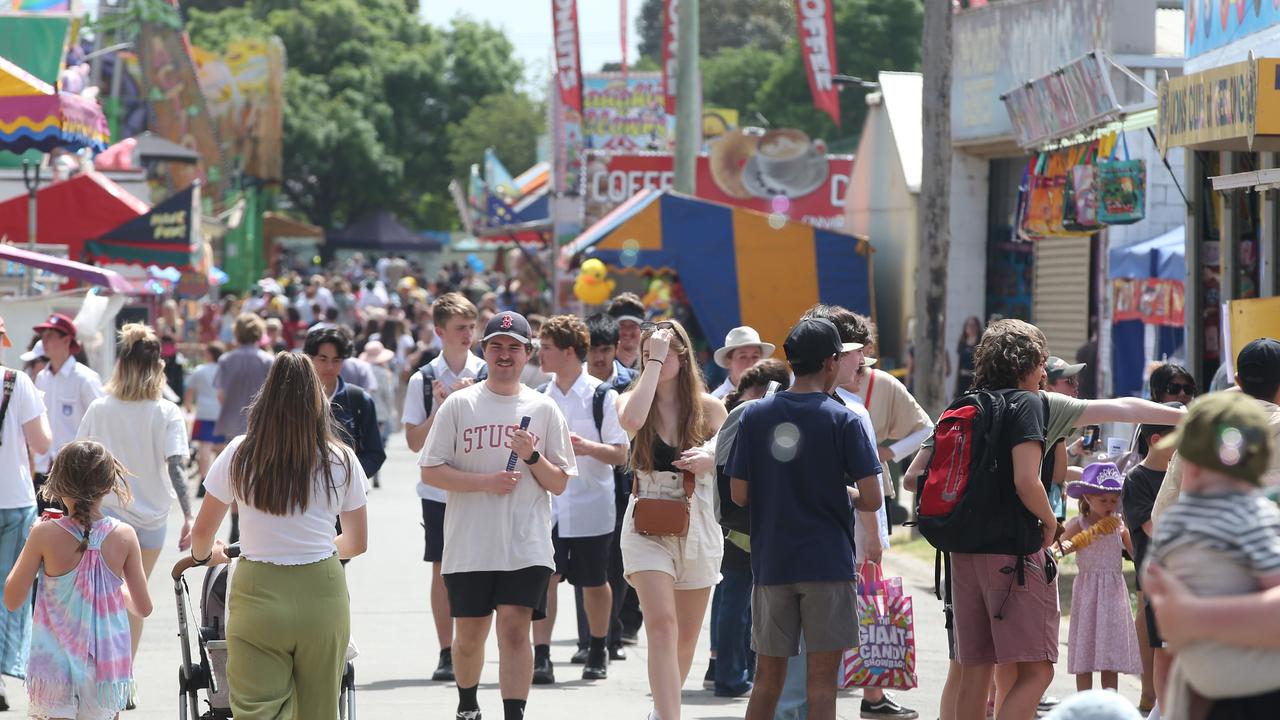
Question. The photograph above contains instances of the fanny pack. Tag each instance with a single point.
(659, 517)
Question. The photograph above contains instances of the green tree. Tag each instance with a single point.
(766, 24)
(509, 123)
(370, 94)
(733, 78)
(871, 35)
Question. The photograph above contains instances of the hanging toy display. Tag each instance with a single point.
(593, 287)
(657, 301)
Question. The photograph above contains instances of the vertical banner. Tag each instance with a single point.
(818, 46)
(623, 28)
(568, 55)
(670, 36)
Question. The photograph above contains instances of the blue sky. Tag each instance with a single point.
(528, 25)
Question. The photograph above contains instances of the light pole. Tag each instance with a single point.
(688, 102)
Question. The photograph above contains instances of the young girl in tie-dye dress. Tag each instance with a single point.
(80, 664)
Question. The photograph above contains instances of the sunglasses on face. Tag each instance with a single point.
(1180, 388)
(664, 325)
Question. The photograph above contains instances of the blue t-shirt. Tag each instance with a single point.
(798, 452)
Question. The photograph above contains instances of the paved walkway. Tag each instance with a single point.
(392, 627)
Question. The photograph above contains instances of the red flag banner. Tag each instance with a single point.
(670, 21)
(568, 55)
(623, 28)
(818, 46)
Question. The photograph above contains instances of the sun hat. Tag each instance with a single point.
(1098, 478)
(742, 337)
(375, 353)
(1225, 432)
(62, 324)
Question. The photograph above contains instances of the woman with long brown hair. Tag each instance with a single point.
(148, 435)
(672, 422)
(289, 618)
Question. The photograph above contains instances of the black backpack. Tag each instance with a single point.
(352, 400)
(429, 376)
(967, 502)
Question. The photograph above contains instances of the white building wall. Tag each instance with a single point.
(967, 261)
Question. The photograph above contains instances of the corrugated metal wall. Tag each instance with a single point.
(1061, 295)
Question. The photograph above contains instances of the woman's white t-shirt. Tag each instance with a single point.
(141, 434)
(299, 538)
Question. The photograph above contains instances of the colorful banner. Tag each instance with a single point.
(244, 89)
(670, 44)
(1153, 301)
(168, 236)
(1213, 25)
(610, 180)
(620, 115)
(1210, 106)
(818, 45)
(1062, 103)
(568, 53)
(178, 109)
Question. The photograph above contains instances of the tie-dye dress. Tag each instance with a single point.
(81, 663)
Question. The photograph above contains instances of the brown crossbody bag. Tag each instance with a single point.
(659, 517)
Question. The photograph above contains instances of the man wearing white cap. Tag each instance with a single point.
(629, 311)
(742, 349)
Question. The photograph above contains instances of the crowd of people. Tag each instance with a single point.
(599, 451)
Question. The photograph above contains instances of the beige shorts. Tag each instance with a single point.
(642, 553)
(823, 611)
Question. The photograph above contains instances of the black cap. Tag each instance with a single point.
(1259, 362)
(510, 324)
(813, 340)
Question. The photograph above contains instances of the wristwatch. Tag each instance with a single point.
(534, 458)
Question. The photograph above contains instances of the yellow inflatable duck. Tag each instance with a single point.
(592, 286)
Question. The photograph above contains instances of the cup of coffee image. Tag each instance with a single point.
(785, 155)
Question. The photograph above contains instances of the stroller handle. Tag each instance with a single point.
(186, 562)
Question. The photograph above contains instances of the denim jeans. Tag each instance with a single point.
(793, 704)
(15, 627)
(735, 662)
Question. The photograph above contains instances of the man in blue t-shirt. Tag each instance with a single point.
(803, 462)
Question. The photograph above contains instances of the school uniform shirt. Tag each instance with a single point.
(798, 452)
(587, 507)
(854, 403)
(724, 389)
(142, 435)
(415, 412)
(67, 395)
(301, 537)
(472, 433)
(25, 405)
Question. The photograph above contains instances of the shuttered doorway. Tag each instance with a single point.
(1060, 298)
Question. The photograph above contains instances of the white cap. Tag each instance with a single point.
(36, 351)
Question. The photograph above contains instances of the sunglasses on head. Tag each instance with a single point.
(664, 325)
(1179, 388)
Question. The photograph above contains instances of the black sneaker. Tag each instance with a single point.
(444, 670)
(709, 680)
(597, 667)
(616, 653)
(543, 672)
(467, 715)
(887, 708)
(579, 657)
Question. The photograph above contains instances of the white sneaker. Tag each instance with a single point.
(352, 651)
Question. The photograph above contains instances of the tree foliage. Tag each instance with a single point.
(371, 95)
(766, 24)
(733, 78)
(509, 123)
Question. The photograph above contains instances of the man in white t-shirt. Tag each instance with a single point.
(68, 386)
(500, 473)
(585, 513)
(455, 368)
(742, 349)
(22, 423)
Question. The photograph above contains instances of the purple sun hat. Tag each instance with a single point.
(1098, 478)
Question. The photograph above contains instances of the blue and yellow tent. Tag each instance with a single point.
(737, 266)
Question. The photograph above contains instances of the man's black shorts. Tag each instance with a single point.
(478, 594)
(433, 527)
(583, 561)
(1153, 631)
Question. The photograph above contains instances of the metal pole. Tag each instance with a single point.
(32, 185)
(688, 101)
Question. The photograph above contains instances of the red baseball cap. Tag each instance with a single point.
(62, 324)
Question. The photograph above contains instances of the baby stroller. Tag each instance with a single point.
(209, 672)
